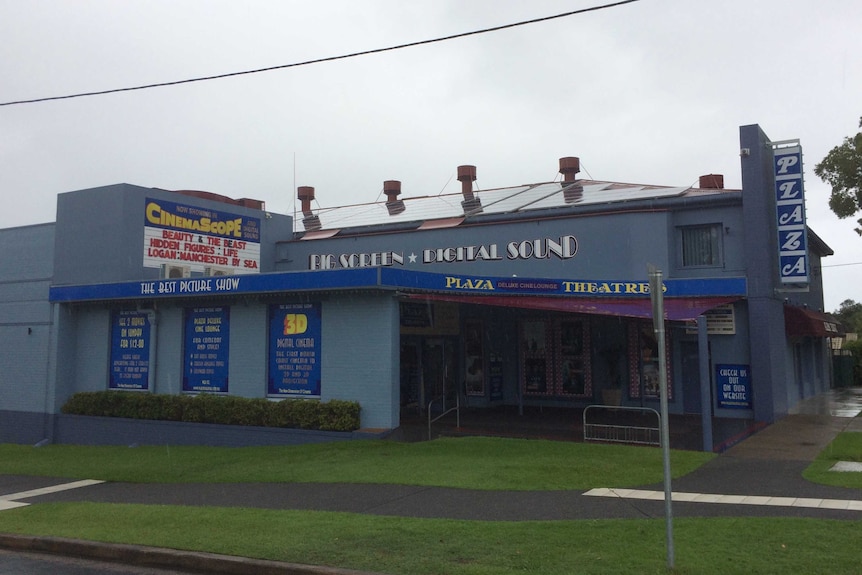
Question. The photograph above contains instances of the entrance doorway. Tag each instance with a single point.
(428, 373)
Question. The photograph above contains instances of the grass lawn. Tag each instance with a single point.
(846, 447)
(467, 462)
(407, 546)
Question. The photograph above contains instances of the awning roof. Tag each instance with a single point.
(675, 309)
(800, 321)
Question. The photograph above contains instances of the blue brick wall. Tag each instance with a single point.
(169, 363)
(23, 367)
(27, 254)
(361, 355)
(25, 427)
(248, 350)
(26, 260)
(93, 349)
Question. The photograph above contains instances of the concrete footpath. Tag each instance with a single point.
(760, 476)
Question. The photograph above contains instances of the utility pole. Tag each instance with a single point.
(657, 297)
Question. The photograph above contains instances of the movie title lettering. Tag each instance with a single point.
(199, 238)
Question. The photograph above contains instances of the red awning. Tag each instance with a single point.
(675, 309)
(800, 321)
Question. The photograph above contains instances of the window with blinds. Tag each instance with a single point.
(701, 246)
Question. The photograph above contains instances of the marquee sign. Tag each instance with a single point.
(790, 212)
(200, 239)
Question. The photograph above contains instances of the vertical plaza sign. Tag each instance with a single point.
(790, 212)
(200, 239)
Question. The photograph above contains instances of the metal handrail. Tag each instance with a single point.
(456, 409)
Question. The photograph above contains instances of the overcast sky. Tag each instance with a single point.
(651, 92)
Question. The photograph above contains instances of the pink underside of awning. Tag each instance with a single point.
(675, 309)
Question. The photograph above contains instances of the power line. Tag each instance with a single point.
(321, 60)
(840, 265)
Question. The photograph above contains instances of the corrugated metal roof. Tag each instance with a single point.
(519, 199)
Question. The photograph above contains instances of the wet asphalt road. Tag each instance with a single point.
(17, 563)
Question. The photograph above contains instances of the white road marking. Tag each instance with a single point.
(813, 503)
(11, 501)
(844, 466)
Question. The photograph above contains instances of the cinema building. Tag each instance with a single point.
(527, 296)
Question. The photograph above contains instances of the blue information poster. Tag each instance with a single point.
(206, 349)
(130, 351)
(294, 350)
(733, 384)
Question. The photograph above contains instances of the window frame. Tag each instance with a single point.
(715, 242)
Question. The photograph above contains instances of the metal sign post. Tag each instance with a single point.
(657, 298)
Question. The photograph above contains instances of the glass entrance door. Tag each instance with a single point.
(428, 373)
(438, 373)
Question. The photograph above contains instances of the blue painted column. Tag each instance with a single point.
(767, 339)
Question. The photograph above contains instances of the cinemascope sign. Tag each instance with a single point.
(790, 211)
(200, 239)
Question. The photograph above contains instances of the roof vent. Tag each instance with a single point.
(309, 220)
(305, 195)
(569, 167)
(470, 203)
(712, 182)
(573, 193)
(392, 189)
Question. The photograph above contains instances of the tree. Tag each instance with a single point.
(850, 315)
(855, 349)
(842, 169)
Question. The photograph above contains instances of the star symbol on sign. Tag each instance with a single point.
(412, 258)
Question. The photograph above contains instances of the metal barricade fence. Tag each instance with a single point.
(621, 425)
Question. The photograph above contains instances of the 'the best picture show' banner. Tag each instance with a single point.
(294, 350)
(130, 351)
(207, 332)
(388, 278)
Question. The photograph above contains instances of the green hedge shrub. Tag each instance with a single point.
(855, 347)
(334, 415)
